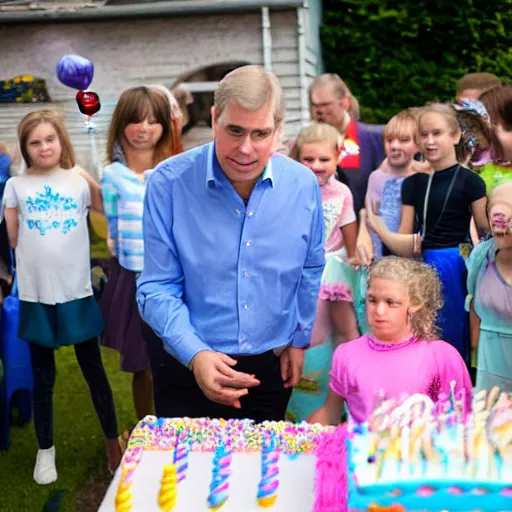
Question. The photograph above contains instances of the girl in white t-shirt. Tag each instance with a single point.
(46, 215)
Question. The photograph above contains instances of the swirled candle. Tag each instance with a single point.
(267, 488)
(168, 489)
(221, 470)
(124, 494)
(181, 460)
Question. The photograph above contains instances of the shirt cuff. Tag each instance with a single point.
(301, 339)
(186, 348)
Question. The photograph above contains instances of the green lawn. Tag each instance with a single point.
(80, 446)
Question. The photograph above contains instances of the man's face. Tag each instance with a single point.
(244, 140)
(326, 107)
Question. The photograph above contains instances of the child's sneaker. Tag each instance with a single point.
(45, 471)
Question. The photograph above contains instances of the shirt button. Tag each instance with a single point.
(241, 339)
(248, 243)
(246, 274)
(250, 214)
(246, 306)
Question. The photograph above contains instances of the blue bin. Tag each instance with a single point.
(18, 378)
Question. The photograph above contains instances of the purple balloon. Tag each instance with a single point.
(75, 71)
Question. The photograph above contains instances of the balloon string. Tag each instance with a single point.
(95, 165)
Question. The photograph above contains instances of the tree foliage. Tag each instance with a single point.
(398, 54)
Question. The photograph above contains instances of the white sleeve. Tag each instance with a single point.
(10, 199)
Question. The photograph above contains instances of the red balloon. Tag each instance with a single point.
(88, 102)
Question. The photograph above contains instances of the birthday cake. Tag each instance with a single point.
(411, 455)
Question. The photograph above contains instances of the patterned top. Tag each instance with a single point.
(386, 190)
(338, 208)
(123, 202)
(52, 256)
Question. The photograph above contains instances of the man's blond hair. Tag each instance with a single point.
(252, 87)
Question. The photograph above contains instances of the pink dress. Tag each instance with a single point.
(365, 369)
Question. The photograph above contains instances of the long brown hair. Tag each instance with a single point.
(494, 101)
(135, 105)
(34, 119)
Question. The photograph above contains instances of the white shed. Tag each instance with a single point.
(141, 42)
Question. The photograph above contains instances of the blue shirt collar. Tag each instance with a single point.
(215, 174)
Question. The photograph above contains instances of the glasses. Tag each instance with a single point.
(322, 105)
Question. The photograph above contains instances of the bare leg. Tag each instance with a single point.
(344, 322)
(142, 389)
(114, 454)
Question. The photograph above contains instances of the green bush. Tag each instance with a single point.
(399, 54)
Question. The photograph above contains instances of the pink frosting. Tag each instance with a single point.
(331, 489)
(336, 292)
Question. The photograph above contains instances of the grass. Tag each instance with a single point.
(80, 445)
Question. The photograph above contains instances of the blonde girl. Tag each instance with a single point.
(403, 353)
(441, 204)
(317, 147)
(46, 215)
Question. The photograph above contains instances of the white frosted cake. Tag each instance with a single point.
(413, 455)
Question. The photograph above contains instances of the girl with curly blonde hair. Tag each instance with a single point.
(402, 354)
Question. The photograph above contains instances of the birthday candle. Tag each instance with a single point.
(124, 494)
(168, 489)
(181, 460)
(221, 471)
(267, 488)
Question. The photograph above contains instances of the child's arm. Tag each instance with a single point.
(330, 413)
(364, 246)
(474, 326)
(403, 245)
(479, 211)
(407, 220)
(110, 200)
(95, 188)
(12, 223)
(350, 237)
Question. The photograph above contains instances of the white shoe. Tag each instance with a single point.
(45, 471)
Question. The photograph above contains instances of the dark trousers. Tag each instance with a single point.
(176, 393)
(43, 367)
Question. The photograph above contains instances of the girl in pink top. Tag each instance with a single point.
(318, 147)
(403, 354)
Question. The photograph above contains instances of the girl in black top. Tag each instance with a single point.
(442, 204)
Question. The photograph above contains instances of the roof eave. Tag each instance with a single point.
(145, 10)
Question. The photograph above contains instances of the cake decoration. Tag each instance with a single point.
(168, 494)
(412, 454)
(221, 471)
(331, 472)
(269, 483)
(181, 459)
(124, 493)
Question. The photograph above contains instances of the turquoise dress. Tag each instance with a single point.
(492, 297)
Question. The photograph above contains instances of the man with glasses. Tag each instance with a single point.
(362, 150)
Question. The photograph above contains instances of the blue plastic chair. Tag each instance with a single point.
(18, 379)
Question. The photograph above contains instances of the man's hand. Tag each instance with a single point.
(292, 362)
(218, 381)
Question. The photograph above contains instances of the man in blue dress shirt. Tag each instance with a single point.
(233, 242)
